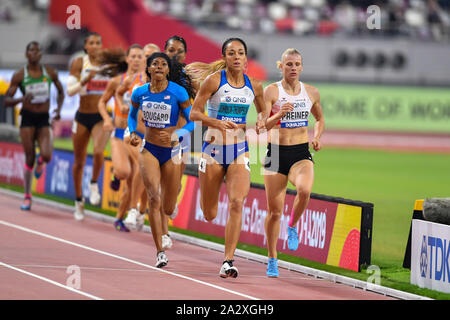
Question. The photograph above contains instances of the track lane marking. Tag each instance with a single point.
(11, 225)
(50, 281)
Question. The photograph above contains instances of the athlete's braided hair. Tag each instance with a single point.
(176, 72)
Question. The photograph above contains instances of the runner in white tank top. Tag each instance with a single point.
(289, 103)
(229, 94)
(85, 80)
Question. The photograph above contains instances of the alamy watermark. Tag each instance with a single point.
(374, 20)
(74, 279)
(73, 21)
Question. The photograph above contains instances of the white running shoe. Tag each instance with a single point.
(161, 260)
(166, 242)
(131, 219)
(94, 194)
(79, 210)
(228, 270)
(174, 213)
(140, 221)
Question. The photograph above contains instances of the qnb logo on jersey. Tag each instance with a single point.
(297, 105)
(157, 106)
(236, 99)
(434, 256)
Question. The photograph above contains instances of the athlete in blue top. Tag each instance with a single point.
(229, 94)
(160, 101)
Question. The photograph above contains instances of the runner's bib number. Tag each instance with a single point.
(296, 118)
(39, 90)
(156, 114)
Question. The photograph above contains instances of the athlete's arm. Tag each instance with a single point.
(107, 94)
(270, 97)
(260, 105)
(60, 100)
(317, 112)
(10, 101)
(74, 83)
(207, 89)
(186, 108)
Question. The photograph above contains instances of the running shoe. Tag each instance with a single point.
(228, 270)
(131, 219)
(114, 184)
(26, 205)
(79, 210)
(120, 226)
(166, 242)
(39, 169)
(161, 259)
(292, 238)
(140, 221)
(94, 194)
(272, 268)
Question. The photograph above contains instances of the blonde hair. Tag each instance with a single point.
(198, 71)
(152, 46)
(286, 53)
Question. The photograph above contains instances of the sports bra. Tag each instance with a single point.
(97, 85)
(38, 87)
(137, 82)
(298, 117)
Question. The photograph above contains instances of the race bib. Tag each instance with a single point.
(233, 108)
(296, 118)
(156, 114)
(39, 90)
(96, 86)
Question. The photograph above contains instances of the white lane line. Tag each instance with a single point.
(51, 281)
(124, 259)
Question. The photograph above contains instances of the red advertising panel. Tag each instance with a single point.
(316, 226)
(12, 162)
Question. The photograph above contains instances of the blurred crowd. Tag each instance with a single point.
(413, 19)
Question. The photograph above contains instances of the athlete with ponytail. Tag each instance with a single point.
(289, 102)
(228, 93)
(167, 92)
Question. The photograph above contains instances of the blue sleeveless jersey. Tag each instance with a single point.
(160, 110)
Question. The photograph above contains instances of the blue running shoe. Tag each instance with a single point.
(120, 226)
(272, 268)
(26, 205)
(39, 167)
(292, 238)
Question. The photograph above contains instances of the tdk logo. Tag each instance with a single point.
(423, 258)
(435, 253)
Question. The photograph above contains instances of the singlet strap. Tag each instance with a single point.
(248, 83)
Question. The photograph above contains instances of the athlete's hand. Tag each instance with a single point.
(123, 108)
(56, 115)
(285, 108)
(260, 124)
(226, 125)
(134, 139)
(108, 125)
(315, 143)
(27, 98)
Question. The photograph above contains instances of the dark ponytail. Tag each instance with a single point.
(176, 72)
